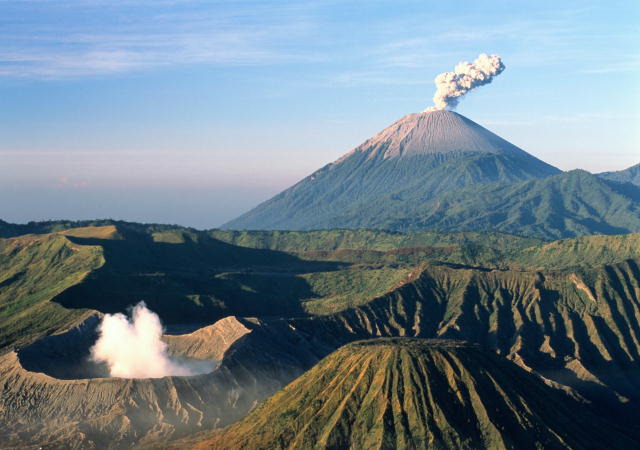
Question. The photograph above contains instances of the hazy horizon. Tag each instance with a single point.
(192, 112)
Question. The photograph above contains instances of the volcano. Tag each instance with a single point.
(409, 163)
(417, 393)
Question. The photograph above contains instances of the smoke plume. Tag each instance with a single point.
(450, 86)
(132, 348)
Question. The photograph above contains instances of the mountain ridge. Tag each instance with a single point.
(552, 308)
(413, 161)
(417, 393)
(628, 175)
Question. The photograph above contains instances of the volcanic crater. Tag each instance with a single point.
(77, 401)
(67, 356)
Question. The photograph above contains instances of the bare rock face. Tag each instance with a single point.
(433, 132)
(53, 396)
(209, 342)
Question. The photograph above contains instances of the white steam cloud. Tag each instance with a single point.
(132, 348)
(450, 86)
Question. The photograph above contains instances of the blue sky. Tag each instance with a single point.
(192, 112)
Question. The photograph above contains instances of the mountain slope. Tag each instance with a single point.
(570, 204)
(34, 269)
(411, 393)
(414, 160)
(578, 328)
(630, 175)
(435, 132)
(553, 308)
(52, 397)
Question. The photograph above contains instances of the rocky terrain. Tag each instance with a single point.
(54, 397)
(566, 312)
(418, 393)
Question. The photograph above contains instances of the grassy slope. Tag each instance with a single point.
(188, 276)
(328, 240)
(582, 251)
(630, 175)
(348, 288)
(554, 307)
(576, 327)
(407, 393)
(570, 204)
(33, 270)
(55, 226)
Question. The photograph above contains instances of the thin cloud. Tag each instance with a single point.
(139, 38)
(630, 65)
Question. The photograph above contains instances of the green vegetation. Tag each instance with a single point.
(337, 291)
(570, 204)
(33, 271)
(586, 251)
(363, 192)
(363, 239)
(630, 175)
(191, 276)
(412, 393)
(567, 310)
(546, 206)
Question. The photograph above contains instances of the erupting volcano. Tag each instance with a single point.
(392, 174)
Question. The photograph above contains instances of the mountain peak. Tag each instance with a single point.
(416, 393)
(432, 132)
(395, 173)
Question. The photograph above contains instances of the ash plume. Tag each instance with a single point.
(450, 86)
(132, 348)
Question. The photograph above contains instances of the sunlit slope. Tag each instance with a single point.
(410, 393)
(189, 276)
(34, 269)
(585, 251)
(577, 328)
(567, 310)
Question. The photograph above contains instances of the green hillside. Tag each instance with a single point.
(585, 251)
(630, 175)
(34, 269)
(365, 239)
(417, 159)
(354, 185)
(190, 276)
(570, 204)
(566, 310)
(410, 393)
